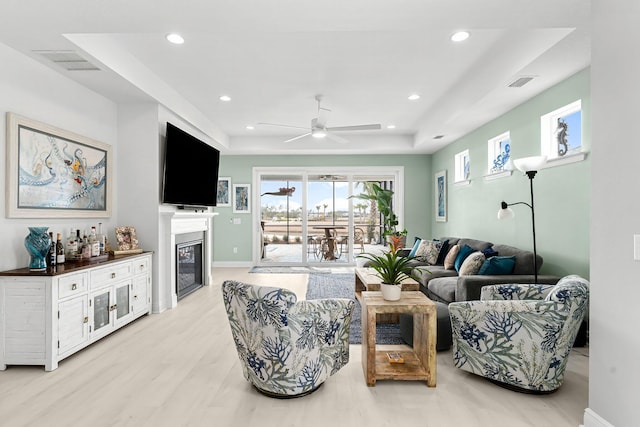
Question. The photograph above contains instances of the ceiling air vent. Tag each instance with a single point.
(68, 59)
(521, 81)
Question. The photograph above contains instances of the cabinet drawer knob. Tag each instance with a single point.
(74, 287)
(86, 320)
(113, 275)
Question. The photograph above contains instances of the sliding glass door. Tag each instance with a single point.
(314, 217)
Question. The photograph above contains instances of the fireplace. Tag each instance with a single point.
(189, 267)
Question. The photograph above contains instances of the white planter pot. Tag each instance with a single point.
(390, 292)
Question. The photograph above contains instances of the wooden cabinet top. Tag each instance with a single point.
(72, 266)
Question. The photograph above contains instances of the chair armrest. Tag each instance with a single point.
(468, 288)
(515, 291)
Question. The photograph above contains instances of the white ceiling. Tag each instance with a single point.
(273, 57)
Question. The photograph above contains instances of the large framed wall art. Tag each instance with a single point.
(54, 173)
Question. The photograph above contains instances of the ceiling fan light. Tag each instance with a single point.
(318, 133)
(459, 36)
(175, 38)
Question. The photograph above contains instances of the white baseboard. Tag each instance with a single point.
(591, 419)
(237, 264)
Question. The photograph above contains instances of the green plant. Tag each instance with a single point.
(390, 267)
(384, 200)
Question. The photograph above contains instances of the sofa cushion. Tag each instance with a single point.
(472, 264)
(443, 289)
(465, 251)
(450, 259)
(478, 245)
(426, 273)
(498, 265)
(428, 251)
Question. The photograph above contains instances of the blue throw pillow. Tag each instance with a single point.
(489, 252)
(415, 247)
(498, 265)
(465, 251)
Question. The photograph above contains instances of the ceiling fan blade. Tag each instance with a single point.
(284, 126)
(336, 138)
(357, 127)
(298, 137)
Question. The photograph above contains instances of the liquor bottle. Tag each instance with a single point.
(93, 241)
(71, 246)
(86, 246)
(101, 239)
(52, 251)
(59, 250)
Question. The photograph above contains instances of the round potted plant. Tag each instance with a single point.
(392, 269)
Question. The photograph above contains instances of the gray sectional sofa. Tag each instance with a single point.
(447, 286)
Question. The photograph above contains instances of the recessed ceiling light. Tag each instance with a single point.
(391, 126)
(175, 38)
(225, 98)
(413, 97)
(459, 36)
(249, 127)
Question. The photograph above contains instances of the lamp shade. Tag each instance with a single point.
(526, 164)
(506, 213)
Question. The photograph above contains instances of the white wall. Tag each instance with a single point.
(34, 91)
(615, 216)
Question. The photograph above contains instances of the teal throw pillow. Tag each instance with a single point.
(498, 265)
(416, 245)
(465, 251)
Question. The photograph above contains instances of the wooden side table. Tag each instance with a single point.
(420, 361)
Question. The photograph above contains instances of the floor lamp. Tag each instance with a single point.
(530, 166)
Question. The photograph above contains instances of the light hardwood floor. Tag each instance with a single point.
(180, 368)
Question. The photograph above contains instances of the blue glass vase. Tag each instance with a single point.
(37, 243)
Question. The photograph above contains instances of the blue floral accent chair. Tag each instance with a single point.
(520, 336)
(287, 348)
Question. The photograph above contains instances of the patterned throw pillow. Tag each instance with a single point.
(472, 264)
(428, 251)
(450, 259)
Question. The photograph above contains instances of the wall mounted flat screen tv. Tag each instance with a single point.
(190, 170)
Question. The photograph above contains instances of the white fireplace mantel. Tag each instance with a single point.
(172, 224)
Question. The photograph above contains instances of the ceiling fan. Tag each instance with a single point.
(319, 127)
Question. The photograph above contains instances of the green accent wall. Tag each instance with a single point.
(561, 193)
(417, 201)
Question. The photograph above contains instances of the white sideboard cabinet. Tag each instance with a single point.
(47, 316)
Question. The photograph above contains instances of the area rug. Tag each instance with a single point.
(299, 270)
(342, 286)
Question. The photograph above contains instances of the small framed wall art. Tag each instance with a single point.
(241, 198)
(224, 191)
(441, 196)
